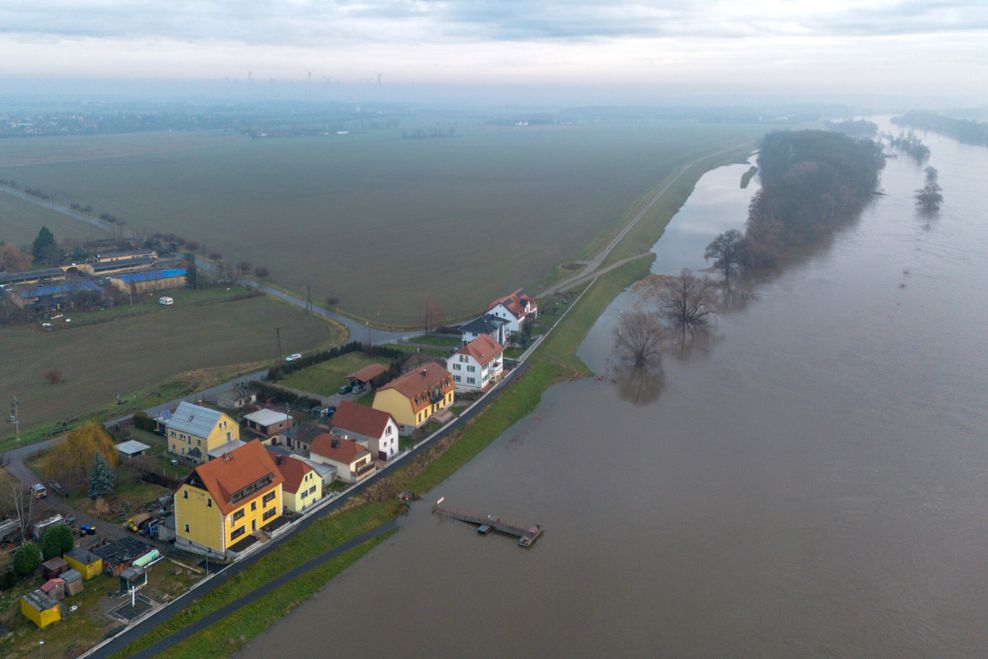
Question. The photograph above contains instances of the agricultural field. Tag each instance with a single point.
(363, 217)
(20, 221)
(205, 332)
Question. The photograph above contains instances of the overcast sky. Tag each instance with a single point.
(937, 47)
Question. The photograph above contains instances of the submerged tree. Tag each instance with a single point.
(930, 196)
(687, 301)
(727, 251)
(638, 337)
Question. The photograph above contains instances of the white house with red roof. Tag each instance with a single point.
(352, 461)
(514, 308)
(477, 365)
(375, 429)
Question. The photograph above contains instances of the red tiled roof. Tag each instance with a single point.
(292, 470)
(417, 385)
(513, 302)
(368, 373)
(483, 349)
(229, 473)
(360, 419)
(345, 451)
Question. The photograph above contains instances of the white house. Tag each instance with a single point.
(352, 461)
(487, 324)
(477, 365)
(515, 309)
(374, 429)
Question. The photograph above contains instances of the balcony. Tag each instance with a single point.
(364, 470)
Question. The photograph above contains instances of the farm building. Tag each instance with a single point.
(85, 562)
(40, 609)
(124, 255)
(366, 375)
(108, 268)
(51, 295)
(31, 276)
(149, 280)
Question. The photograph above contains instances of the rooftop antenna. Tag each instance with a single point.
(308, 299)
(277, 335)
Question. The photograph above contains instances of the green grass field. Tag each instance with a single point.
(380, 222)
(146, 349)
(20, 221)
(327, 377)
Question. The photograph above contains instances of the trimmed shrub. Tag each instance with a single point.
(26, 559)
(56, 541)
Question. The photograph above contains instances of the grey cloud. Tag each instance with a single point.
(341, 21)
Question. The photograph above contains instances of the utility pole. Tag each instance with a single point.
(15, 406)
(277, 334)
(308, 299)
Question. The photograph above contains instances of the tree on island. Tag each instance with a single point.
(930, 196)
(686, 302)
(727, 251)
(45, 249)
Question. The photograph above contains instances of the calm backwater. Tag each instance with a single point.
(816, 483)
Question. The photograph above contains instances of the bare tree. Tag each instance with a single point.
(727, 251)
(23, 503)
(54, 376)
(687, 301)
(638, 337)
(433, 315)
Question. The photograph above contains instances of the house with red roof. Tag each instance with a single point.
(416, 396)
(353, 462)
(515, 308)
(376, 430)
(478, 365)
(302, 486)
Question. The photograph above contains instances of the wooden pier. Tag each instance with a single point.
(527, 535)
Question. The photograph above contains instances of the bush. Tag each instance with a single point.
(8, 578)
(56, 541)
(26, 559)
(143, 422)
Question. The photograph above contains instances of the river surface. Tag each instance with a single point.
(814, 482)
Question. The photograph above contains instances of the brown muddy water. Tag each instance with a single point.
(815, 483)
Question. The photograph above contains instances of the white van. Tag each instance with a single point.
(166, 301)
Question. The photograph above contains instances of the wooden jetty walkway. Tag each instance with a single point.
(527, 535)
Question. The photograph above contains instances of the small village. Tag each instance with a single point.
(176, 493)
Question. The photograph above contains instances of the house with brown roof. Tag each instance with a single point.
(353, 462)
(222, 503)
(366, 375)
(477, 365)
(413, 398)
(302, 486)
(515, 308)
(375, 429)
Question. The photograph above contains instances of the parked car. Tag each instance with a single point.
(292, 357)
(329, 411)
(87, 529)
(38, 491)
(345, 389)
(70, 519)
(357, 388)
(56, 487)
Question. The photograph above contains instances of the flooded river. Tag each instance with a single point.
(816, 483)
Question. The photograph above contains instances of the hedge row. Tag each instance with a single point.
(275, 373)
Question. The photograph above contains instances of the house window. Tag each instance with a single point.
(388, 431)
(456, 378)
(239, 514)
(186, 528)
(268, 498)
(172, 432)
(471, 368)
(209, 502)
(237, 532)
(456, 367)
(271, 513)
(471, 380)
(463, 358)
(229, 435)
(185, 494)
(253, 505)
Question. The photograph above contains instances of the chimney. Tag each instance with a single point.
(335, 443)
(227, 456)
(424, 372)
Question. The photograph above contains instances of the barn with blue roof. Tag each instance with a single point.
(146, 281)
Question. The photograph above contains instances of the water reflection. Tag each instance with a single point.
(640, 384)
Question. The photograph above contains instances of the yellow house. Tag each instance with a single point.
(40, 609)
(224, 501)
(302, 486)
(193, 431)
(85, 562)
(414, 397)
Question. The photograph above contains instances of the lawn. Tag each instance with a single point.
(327, 377)
(148, 357)
(433, 340)
(359, 218)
